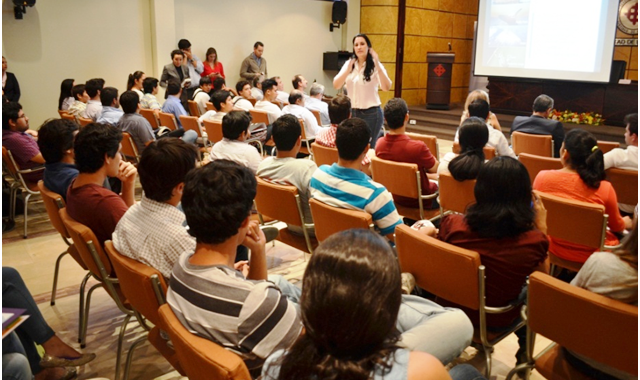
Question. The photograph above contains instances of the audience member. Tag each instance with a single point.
(173, 104)
(475, 95)
(243, 88)
(254, 65)
(507, 232)
(66, 98)
(626, 159)
(540, 124)
(397, 146)
(314, 103)
(233, 147)
(80, 101)
(149, 101)
(466, 165)
(269, 87)
(339, 111)
(345, 185)
(297, 109)
(222, 104)
(212, 68)
(135, 83)
(10, 86)
(201, 95)
(55, 139)
(256, 90)
(299, 83)
(582, 178)
(94, 105)
(111, 112)
(374, 333)
(152, 231)
(285, 168)
(480, 108)
(19, 140)
(194, 65)
(133, 123)
(283, 97)
(221, 84)
(97, 150)
(254, 317)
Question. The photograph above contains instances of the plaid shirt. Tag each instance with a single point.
(327, 137)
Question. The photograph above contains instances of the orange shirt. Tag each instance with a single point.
(569, 185)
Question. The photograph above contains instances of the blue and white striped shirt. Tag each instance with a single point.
(351, 189)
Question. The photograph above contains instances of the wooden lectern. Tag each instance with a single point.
(439, 70)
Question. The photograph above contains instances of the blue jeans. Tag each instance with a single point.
(190, 136)
(443, 332)
(374, 119)
(15, 365)
(465, 372)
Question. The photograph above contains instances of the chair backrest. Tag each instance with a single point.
(54, 202)
(323, 155)
(590, 324)
(277, 103)
(400, 178)
(440, 268)
(10, 166)
(489, 151)
(329, 219)
(62, 112)
(193, 108)
(625, 183)
(137, 283)
(278, 202)
(541, 145)
(431, 141)
(253, 101)
(258, 116)
(607, 146)
(213, 129)
(85, 241)
(129, 148)
(84, 121)
(151, 117)
(191, 123)
(200, 358)
(66, 116)
(210, 106)
(316, 113)
(168, 120)
(9, 163)
(535, 164)
(575, 221)
(455, 195)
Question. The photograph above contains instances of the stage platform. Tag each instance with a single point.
(443, 124)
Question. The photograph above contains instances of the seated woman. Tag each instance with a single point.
(66, 98)
(134, 83)
(475, 95)
(350, 330)
(466, 165)
(582, 179)
(502, 227)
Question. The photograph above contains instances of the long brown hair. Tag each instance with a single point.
(349, 305)
(209, 52)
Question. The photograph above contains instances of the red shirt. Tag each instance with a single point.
(217, 68)
(401, 148)
(508, 262)
(98, 208)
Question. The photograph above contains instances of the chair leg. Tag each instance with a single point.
(26, 217)
(55, 278)
(488, 350)
(523, 366)
(127, 364)
(81, 320)
(83, 336)
(12, 210)
(123, 328)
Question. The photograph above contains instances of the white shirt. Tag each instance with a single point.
(140, 93)
(201, 98)
(93, 110)
(274, 111)
(237, 151)
(443, 167)
(283, 97)
(242, 103)
(257, 93)
(363, 94)
(626, 159)
(316, 104)
(209, 115)
(497, 141)
(311, 127)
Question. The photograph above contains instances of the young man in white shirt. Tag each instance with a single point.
(201, 95)
(480, 108)
(222, 104)
(270, 90)
(233, 147)
(297, 109)
(314, 103)
(241, 101)
(94, 105)
(283, 97)
(626, 159)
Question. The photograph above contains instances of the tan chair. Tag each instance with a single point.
(62, 112)
(191, 123)
(193, 108)
(455, 196)
(201, 358)
(258, 116)
(324, 155)
(429, 140)
(168, 120)
(214, 130)
(306, 143)
(151, 117)
(607, 146)
(625, 183)
(210, 106)
(28, 188)
(541, 145)
(145, 289)
(66, 116)
(454, 274)
(253, 101)
(129, 148)
(84, 121)
(403, 179)
(489, 152)
(280, 202)
(316, 113)
(586, 323)
(535, 164)
(329, 219)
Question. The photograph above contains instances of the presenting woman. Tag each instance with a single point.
(212, 68)
(362, 75)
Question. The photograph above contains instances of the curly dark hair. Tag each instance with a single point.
(92, 143)
(55, 136)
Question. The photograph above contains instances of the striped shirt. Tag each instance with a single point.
(250, 318)
(351, 189)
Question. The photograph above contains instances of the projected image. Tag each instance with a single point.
(508, 34)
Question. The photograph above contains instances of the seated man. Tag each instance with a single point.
(345, 185)
(244, 94)
(97, 150)
(222, 103)
(18, 139)
(152, 231)
(256, 90)
(539, 124)
(269, 87)
(397, 146)
(201, 94)
(79, 105)
(173, 103)
(220, 84)
(626, 159)
(282, 97)
(253, 317)
(55, 139)
(111, 112)
(299, 83)
(480, 108)
(285, 168)
(149, 100)
(235, 131)
(297, 109)
(314, 103)
(94, 105)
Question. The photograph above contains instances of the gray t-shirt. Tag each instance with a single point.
(139, 129)
(605, 273)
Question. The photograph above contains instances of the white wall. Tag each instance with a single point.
(84, 39)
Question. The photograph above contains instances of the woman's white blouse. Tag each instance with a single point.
(362, 94)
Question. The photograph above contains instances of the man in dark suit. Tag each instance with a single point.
(176, 71)
(10, 86)
(539, 124)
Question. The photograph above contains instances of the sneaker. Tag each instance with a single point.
(408, 283)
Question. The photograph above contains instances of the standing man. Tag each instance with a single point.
(194, 65)
(10, 86)
(254, 65)
(539, 124)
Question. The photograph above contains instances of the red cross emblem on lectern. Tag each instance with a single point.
(439, 70)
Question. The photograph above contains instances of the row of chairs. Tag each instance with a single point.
(542, 145)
